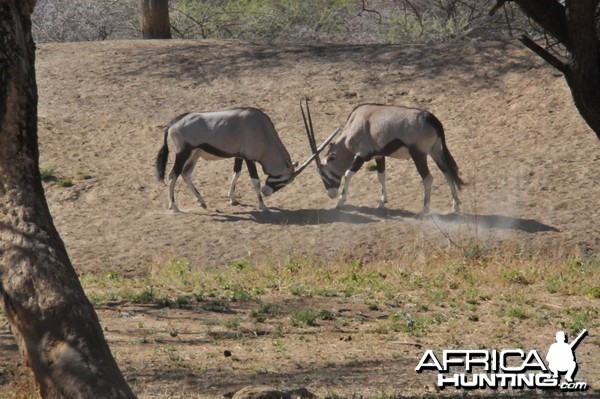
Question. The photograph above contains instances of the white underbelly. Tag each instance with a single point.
(208, 157)
(401, 153)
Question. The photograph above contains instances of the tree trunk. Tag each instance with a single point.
(574, 26)
(583, 75)
(155, 19)
(56, 328)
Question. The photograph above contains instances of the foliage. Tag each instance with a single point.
(373, 21)
(306, 316)
(48, 173)
(66, 182)
(66, 21)
(504, 284)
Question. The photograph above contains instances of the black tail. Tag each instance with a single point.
(446, 162)
(161, 158)
(452, 165)
(163, 154)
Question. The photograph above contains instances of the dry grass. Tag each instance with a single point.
(468, 273)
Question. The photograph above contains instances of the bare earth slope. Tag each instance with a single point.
(530, 161)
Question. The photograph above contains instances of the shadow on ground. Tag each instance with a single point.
(358, 215)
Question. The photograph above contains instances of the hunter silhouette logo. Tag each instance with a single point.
(508, 368)
(561, 355)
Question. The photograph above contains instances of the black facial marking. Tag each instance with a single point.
(275, 184)
(330, 181)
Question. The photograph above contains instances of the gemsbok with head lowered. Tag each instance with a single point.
(375, 131)
(246, 134)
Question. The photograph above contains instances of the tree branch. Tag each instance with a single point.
(499, 4)
(365, 9)
(550, 15)
(545, 55)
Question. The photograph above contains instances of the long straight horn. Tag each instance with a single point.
(313, 142)
(317, 151)
(310, 133)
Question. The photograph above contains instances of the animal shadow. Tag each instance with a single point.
(299, 217)
(494, 222)
(362, 214)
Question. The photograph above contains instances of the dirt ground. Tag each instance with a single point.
(530, 162)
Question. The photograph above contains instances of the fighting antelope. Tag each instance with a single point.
(246, 134)
(378, 131)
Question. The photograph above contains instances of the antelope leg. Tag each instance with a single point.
(256, 184)
(187, 177)
(420, 160)
(357, 163)
(237, 168)
(381, 176)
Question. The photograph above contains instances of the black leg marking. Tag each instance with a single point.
(252, 169)
(237, 165)
(380, 162)
(357, 163)
(237, 168)
(420, 160)
(256, 183)
(181, 159)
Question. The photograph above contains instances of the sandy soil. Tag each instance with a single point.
(531, 164)
(530, 161)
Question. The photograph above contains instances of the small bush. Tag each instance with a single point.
(594, 292)
(66, 182)
(145, 295)
(83, 176)
(516, 277)
(48, 174)
(305, 316)
(264, 311)
(518, 313)
(240, 264)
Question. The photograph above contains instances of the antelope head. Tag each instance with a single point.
(328, 173)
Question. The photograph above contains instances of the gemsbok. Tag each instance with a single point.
(375, 131)
(246, 134)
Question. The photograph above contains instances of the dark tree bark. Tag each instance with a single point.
(574, 26)
(56, 328)
(155, 19)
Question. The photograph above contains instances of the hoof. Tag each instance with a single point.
(203, 205)
(234, 202)
(381, 205)
(174, 210)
